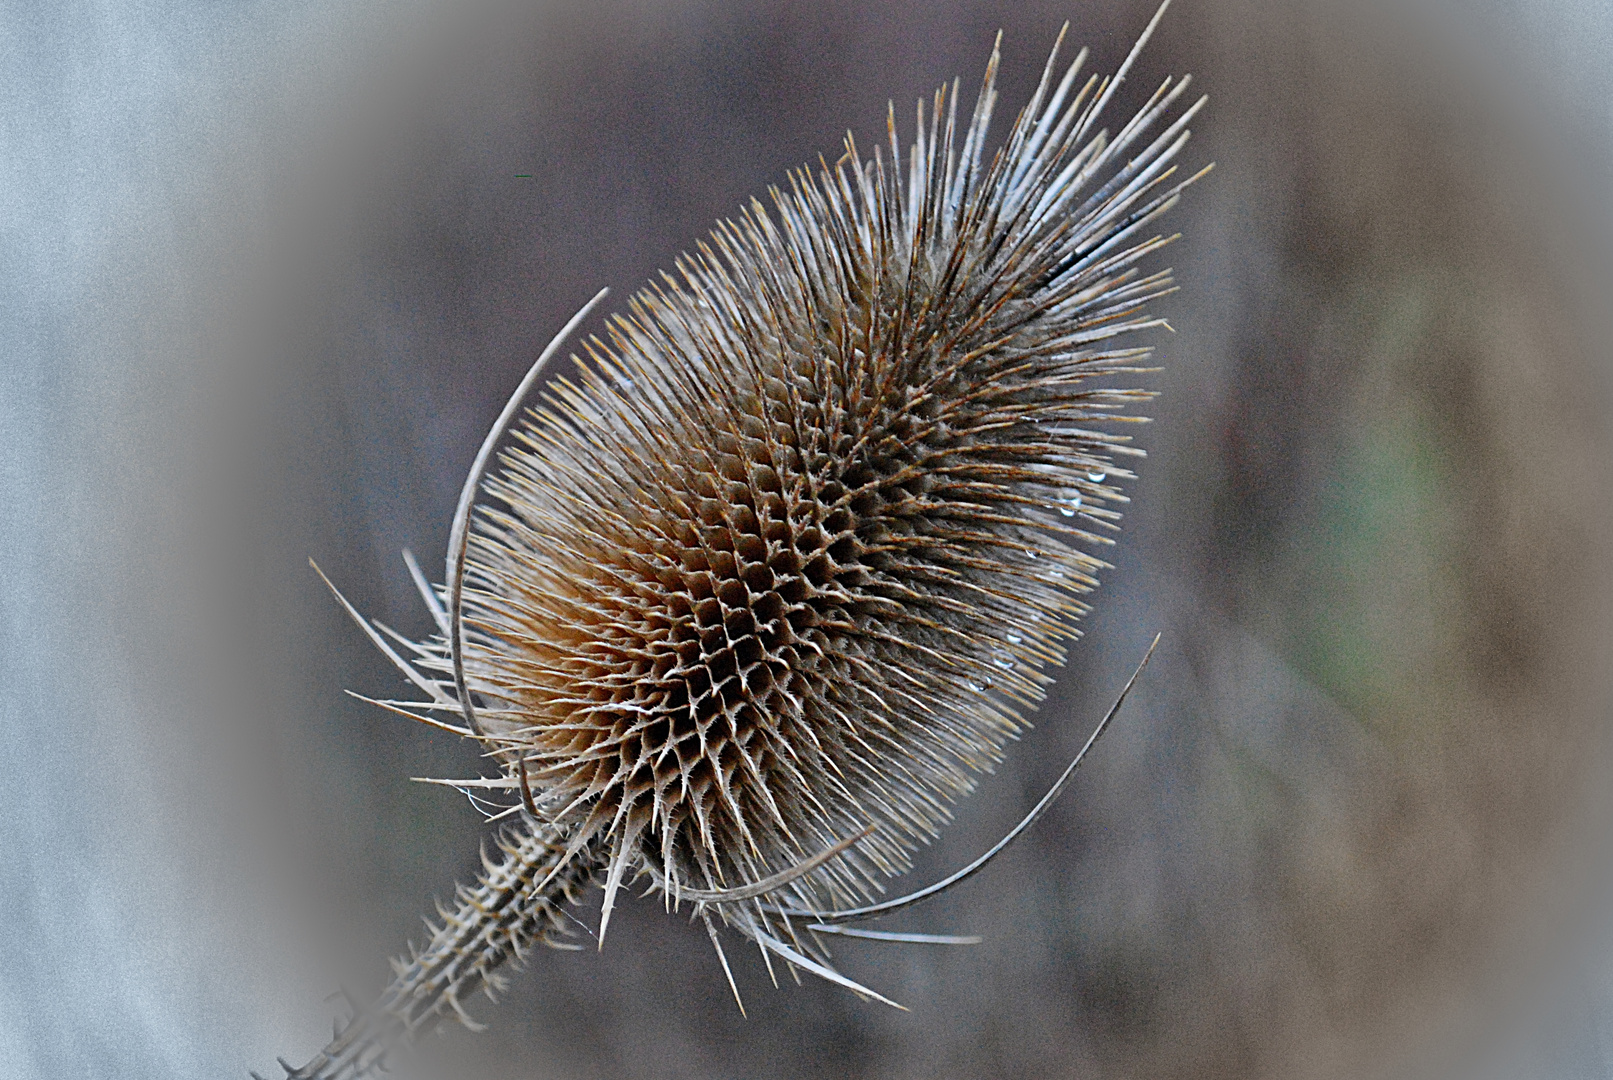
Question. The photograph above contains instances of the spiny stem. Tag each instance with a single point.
(496, 922)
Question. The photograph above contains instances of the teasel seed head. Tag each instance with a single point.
(787, 559)
(755, 597)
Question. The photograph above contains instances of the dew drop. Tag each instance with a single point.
(1003, 660)
(1030, 553)
(1097, 477)
(1013, 639)
(1072, 504)
(980, 686)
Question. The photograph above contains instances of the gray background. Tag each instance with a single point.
(268, 271)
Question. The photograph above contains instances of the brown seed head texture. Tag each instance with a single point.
(754, 598)
(787, 560)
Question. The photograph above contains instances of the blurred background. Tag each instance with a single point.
(268, 271)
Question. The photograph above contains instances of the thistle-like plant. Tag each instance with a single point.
(751, 601)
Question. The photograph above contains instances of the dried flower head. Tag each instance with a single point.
(752, 600)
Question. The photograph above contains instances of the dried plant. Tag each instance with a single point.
(753, 599)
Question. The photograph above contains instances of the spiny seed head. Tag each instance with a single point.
(780, 571)
(790, 555)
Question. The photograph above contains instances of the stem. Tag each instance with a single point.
(496, 922)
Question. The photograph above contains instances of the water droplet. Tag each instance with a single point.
(1072, 504)
(1030, 553)
(980, 686)
(1003, 660)
(1013, 639)
(1097, 477)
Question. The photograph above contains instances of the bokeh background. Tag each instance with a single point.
(267, 272)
